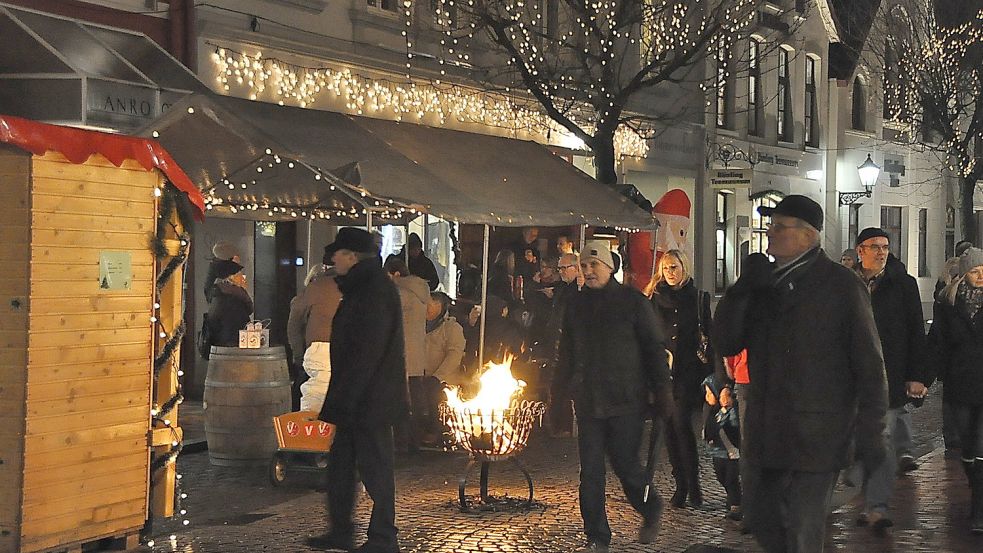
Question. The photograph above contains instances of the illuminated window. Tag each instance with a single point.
(812, 100)
(754, 87)
(785, 125)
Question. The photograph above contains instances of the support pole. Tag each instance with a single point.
(368, 220)
(583, 237)
(310, 231)
(484, 299)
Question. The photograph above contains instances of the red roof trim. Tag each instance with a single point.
(78, 145)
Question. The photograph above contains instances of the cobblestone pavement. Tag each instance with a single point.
(237, 509)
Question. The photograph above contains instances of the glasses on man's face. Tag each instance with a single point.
(779, 227)
(877, 247)
(561, 267)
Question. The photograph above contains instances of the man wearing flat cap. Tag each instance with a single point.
(612, 362)
(817, 377)
(366, 394)
(898, 315)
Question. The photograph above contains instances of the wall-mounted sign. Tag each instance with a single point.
(115, 271)
(730, 178)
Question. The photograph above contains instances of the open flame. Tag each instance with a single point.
(496, 392)
(484, 420)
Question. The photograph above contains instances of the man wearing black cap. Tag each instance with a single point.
(366, 395)
(898, 315)
(816, 372)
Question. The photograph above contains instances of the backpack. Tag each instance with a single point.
(204, 338)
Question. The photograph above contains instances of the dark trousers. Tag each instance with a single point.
(425, 397)
(950, 429)
(681, 442)
(968, 421)
(728, 473)
(369, 451)
(786, 510)
(620, 439)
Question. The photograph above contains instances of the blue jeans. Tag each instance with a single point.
(879, 483)
(901, 433)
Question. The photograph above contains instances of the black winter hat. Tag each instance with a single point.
(352, 239)
(871, 232)
(223, 268)
(798, 206)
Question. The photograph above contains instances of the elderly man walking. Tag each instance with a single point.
(816, 372)
(898, 316)
(612, 361)
(366, 395)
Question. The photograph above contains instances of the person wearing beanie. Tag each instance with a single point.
(229, 305)
(956, 347)
(419, 264)
(818, 393)
(897, 310)
(366, 395)
(611, 361)
(849, 258)
(225, 251)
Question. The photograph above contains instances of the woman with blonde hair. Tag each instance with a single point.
(956, 350)
(684, 314)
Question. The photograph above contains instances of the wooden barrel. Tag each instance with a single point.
(244, 390)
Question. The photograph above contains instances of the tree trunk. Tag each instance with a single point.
(967, 189)
(605, 170)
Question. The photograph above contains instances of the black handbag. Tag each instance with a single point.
(702, 342)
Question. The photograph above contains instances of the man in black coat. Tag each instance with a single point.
(366, 394)
(898, 315)
(816, 372)
(612, 362)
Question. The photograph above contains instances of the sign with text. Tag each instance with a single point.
(115, 271)
(730, 178)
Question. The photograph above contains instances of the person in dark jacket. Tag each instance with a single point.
(950, 436)
(501, 276)
(898, 316)
(612, 361)
(419, 264)
(956, 346)
(684, 316)
(366, 394)
(229, 305)
(816, 372)
(560, 414)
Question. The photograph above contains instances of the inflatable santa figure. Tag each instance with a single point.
(673, 214)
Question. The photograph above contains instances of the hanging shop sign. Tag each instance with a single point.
(731, 178)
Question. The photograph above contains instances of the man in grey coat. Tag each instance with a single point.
(817, 377)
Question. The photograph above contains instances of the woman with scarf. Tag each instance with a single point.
(229, 304)
(684, 315)
(956, 344)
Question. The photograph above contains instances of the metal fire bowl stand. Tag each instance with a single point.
(492, 437)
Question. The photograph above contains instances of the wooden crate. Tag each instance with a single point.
(75, 359)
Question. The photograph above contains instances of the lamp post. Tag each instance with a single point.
(868, 177)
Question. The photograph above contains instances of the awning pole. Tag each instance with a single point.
(368, 220)
(583, 237)
(310, 256)
(484, 300)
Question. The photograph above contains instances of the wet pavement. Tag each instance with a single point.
(238, 509)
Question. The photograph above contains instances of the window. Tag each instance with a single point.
(891, 224)
(853, 229)
(923, 242)
(387, 5)
(550, 13)
(754, 87)
(859, 106)
(894, 94)
(720, 265)
(722, 92)
(950, 231)
(812, 112)
(759, 226)
(784, 97)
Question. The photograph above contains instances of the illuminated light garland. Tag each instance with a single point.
(256, 75)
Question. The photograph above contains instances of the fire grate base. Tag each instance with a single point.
(496, 504)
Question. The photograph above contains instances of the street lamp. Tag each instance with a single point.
(868, 177)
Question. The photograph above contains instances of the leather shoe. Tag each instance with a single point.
(907, 463)
(593, 547)
(331, 542)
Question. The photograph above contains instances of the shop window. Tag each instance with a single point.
(785, 123)
(853, 225)
(812, 99)
(754, 87)
(923, 243)
(891, 224)
(720, 263)
(759, 223)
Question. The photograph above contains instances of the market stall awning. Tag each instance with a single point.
(455, 175)
(66, 71)
(77, 145)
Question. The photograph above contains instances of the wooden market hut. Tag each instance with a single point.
(92, 252)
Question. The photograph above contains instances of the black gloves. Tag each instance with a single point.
(756, 274)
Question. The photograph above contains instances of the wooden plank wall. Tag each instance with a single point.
(89, 354)
(15, 175)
